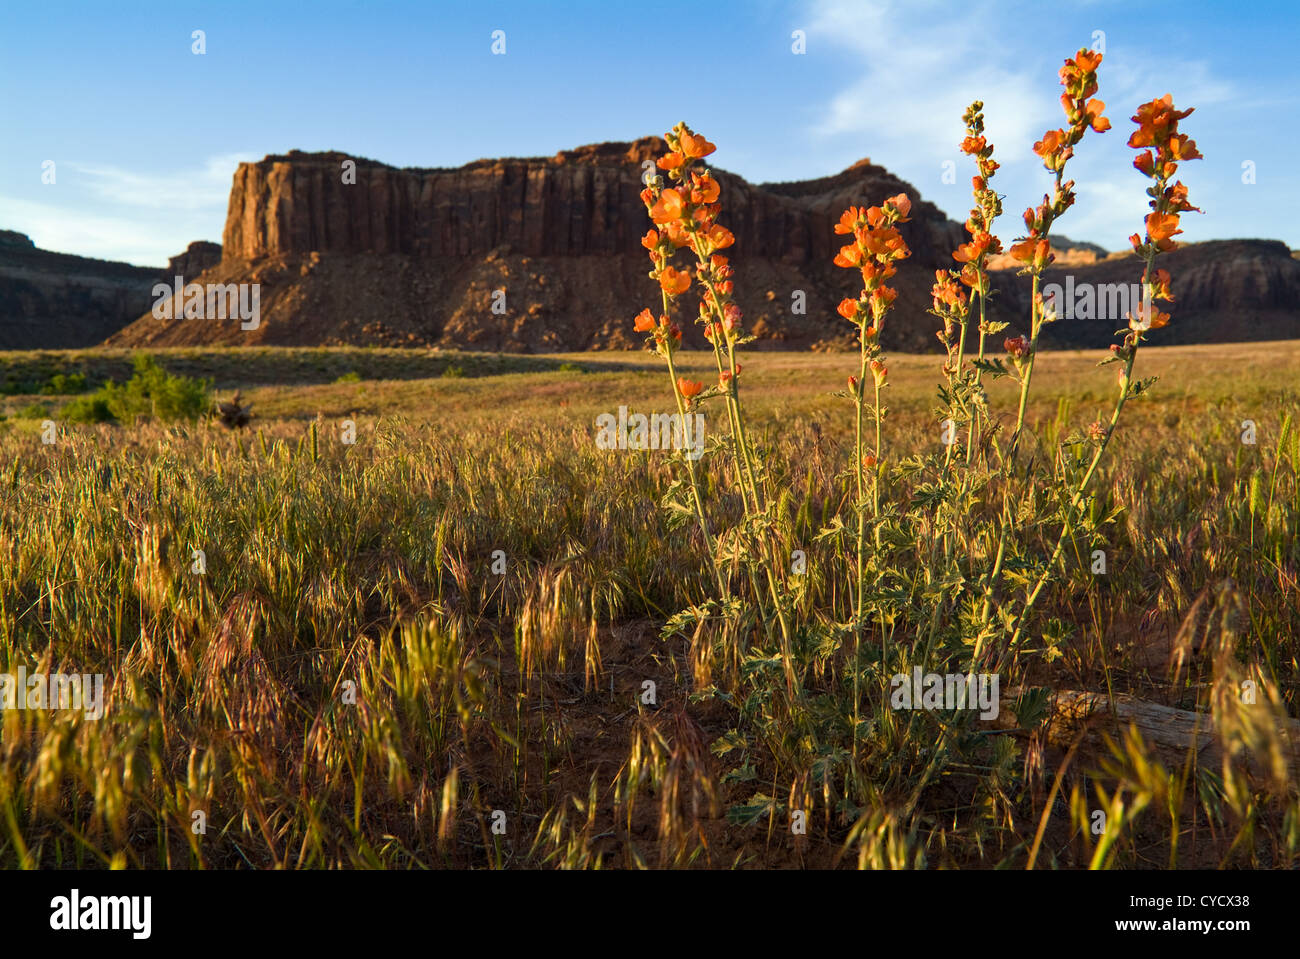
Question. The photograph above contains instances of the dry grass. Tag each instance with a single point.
(333, 568)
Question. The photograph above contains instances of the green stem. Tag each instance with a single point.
(1077, 497)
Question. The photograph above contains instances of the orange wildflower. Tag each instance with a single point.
(668, 207)
(1092, 111)
(848, 256)
(902, 205)
(1050, 143)
(1087, 61)
(972, 251)
(721, 237)
(689, 389)
(674, 282)
(849, 220)
(1161, 227)
(882, 297)
(695, 146)
(706, 189)
(1033, 251)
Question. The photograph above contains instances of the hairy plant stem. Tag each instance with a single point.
(1077, 496)
(979, 375)
(755, 505)
(1035, 324)
(859, 590)
(696, 499)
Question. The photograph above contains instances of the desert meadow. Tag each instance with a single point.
(986, 608)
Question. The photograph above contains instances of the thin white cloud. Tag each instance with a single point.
(118, 214)
(909, 99)
(922, 63)
(200, 189)
(106, 237)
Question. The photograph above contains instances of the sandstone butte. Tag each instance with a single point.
(412, 257)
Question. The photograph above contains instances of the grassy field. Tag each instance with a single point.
(472, 638)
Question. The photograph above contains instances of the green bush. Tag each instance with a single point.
(353, 377)
(88, 409)
(61, 384)
(150, 392)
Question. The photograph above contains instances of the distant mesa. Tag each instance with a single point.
(59, 301)
(350, 251)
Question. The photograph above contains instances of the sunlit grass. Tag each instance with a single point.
(371, 565)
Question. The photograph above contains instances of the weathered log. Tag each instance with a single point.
(1173, 733)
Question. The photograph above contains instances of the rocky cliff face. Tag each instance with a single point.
(544, 254)
(198, 256)
(351, 251)
(577, 203)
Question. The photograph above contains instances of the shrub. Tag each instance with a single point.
(88, 409)
(62, 384)
(150, 391)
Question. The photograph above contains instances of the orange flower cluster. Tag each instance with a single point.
(1082, 113)
(685, 216)
(988, 205)
(1163, 148)
(1079, 77)
(666, 335)
(949, 305)
(876, 246)
(1158, 128)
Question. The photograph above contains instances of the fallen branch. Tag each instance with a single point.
(1173, 732)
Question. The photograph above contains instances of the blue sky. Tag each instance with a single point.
(145, 134)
